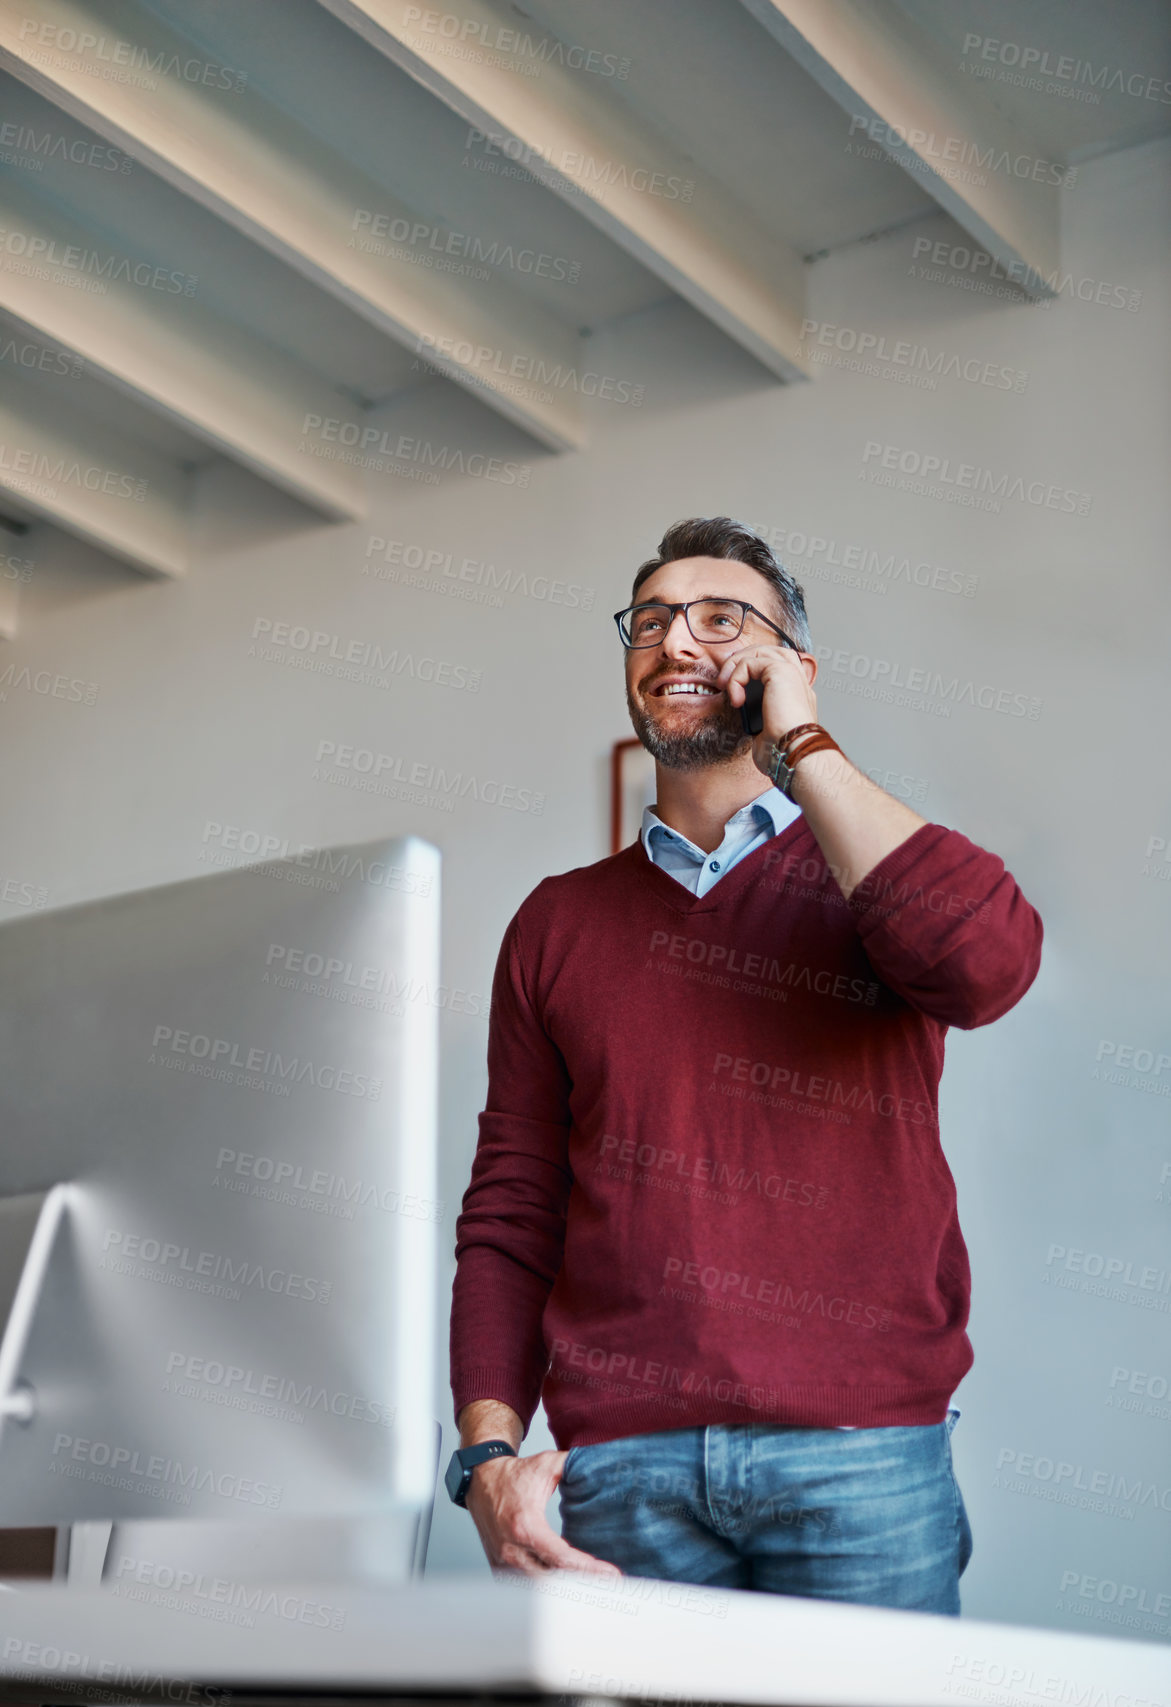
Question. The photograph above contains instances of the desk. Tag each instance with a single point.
(460, 1637)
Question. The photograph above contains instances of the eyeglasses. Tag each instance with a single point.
(711, 621)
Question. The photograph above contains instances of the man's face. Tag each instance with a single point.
(686, 730)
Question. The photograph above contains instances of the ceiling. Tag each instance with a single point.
(222, 221)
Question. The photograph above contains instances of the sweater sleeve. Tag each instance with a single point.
(510, 1234)
(946, 926)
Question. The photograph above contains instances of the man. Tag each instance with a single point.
(709, 1222)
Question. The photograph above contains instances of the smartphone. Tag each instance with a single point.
(751, 714)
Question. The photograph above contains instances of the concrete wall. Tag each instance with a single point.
(1038, 624)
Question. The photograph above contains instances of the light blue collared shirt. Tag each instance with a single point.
(764, 817)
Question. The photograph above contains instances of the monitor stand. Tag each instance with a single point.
(30, 1225)
(209, 1562)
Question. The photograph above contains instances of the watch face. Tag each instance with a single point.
(781, 773)
(454, 1479)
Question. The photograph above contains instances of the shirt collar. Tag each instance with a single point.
(773, 807)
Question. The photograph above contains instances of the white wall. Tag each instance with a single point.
(188, 729)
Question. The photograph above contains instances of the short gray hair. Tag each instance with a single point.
(720, 536)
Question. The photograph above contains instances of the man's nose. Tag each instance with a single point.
(678, 639)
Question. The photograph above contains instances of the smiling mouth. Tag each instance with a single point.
(686, 690)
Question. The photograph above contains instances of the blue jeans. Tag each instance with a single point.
(873, 1515)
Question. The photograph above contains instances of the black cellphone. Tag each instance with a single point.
(751, 714)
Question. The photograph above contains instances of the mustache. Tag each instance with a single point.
(648, 687)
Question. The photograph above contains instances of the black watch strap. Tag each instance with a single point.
(463, 1462)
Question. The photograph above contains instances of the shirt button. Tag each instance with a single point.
(715, 865)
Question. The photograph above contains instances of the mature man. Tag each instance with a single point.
(709, 1221)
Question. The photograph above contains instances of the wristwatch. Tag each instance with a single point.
(809, 738)
(780, 773)
(464, 1460)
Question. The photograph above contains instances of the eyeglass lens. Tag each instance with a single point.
(708, 619)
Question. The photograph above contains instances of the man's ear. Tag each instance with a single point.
(810, 664)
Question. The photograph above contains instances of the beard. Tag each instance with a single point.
(714, 738)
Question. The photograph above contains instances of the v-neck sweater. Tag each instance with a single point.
(700, 869)
(709, 1185)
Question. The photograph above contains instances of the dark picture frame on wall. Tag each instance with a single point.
(632, 789)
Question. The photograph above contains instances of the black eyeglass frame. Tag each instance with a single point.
(708, 598)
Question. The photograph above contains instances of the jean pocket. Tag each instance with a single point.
(567, 1467)
(952, 1418)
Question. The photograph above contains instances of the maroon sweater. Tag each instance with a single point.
(709, 1186)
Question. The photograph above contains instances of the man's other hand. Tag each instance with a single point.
(507, 1499)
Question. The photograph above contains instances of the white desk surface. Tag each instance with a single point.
(565, 1634)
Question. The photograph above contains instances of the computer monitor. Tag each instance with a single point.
(228, 1302)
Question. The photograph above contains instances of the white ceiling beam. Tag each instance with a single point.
(592, 149)
(90, 480)
(971, 159)
(250, 165)
(68, 286)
